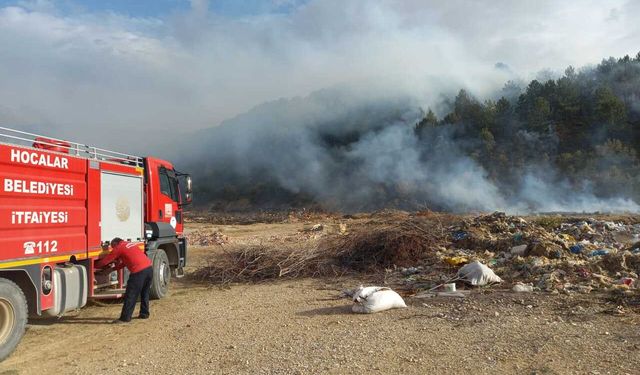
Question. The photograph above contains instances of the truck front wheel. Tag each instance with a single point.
(161, 275)
(13, 317)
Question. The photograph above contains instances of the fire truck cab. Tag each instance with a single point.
(60, 204)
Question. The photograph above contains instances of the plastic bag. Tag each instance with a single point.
(479, 274)
(374, 299)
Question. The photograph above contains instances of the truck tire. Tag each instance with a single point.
(13, 317)
(161, 275)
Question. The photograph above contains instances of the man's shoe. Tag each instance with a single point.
(143, 316)
(118, 321)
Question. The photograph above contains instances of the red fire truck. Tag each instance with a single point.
(60, 204)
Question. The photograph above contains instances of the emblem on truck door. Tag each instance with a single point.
(123, 210)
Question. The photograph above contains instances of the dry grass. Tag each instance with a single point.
(254, 217)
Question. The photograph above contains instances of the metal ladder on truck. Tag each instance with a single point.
(26, 139)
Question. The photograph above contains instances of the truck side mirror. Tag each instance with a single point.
(185, 180)
(189, 186)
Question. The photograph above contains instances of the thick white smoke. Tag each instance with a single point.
(126, 81)
(352, 150)
(144, 84)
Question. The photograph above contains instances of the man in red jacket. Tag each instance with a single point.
(128, 254)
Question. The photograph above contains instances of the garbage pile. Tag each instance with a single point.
(206, 238)
(557, 254)
(576, 255)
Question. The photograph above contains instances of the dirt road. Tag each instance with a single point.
(301, 327)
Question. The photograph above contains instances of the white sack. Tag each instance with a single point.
(522, 288)
(479, 274)
(374, 299)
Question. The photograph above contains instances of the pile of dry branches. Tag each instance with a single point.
(387, 244)
(261, 262)
(205, 238)
(368, 247)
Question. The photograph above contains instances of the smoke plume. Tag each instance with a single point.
(356, 77)
(350, 150)
(129, 81)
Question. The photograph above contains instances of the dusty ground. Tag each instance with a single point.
(302, 327)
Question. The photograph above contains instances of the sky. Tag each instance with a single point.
(132, 75)
(155, 8)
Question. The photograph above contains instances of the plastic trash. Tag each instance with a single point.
(519, 250)
(459, 235)
(599, 252)
(374, 299)
(577, 248)
(583, 272)
(409, 271)
(478, 274)
(456, 261)
(457, 294)
(522, 288)
(628, 281)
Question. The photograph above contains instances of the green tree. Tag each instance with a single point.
(429, 121)
(609, 109)
(606, 66)
(467, 109)
(570, 72)
(503, 108)
(488, 140)
(567, 99)
(487, 118)
(503, 117)
(539, 114)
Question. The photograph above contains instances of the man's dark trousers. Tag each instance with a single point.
(138, 284)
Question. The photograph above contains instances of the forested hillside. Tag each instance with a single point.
(584, 126)
(570, 143)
